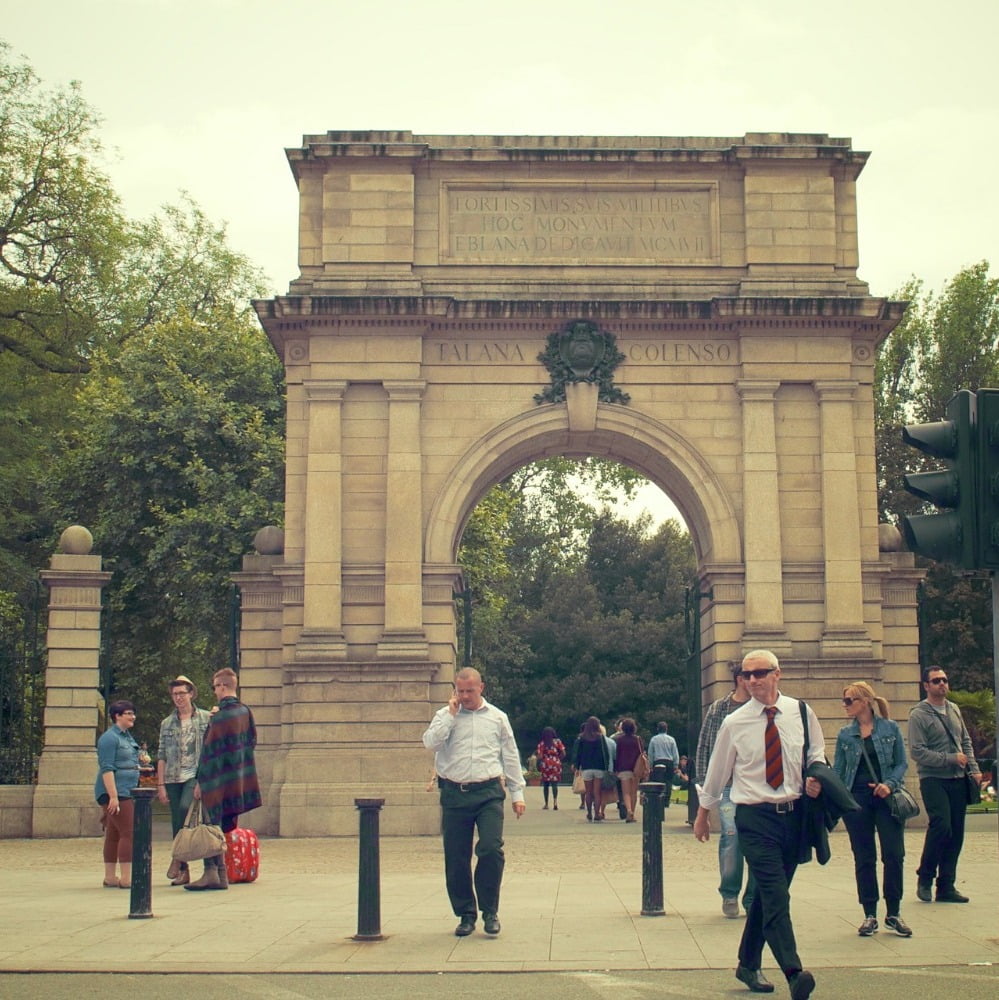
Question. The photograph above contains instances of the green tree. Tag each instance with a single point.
(173, 457)
(944, 343)
(77, 280)
(979, 711)
(590, 620)
(60, 222)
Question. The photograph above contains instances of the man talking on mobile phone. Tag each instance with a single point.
(475, 754)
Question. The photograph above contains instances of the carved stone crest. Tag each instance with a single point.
(581, 352)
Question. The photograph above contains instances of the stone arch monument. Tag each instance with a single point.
(466, 304)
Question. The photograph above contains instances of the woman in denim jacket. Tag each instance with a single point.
(872, 777)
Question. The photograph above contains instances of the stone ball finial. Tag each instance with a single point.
(890, 538)
(76, 540)
(269, 541)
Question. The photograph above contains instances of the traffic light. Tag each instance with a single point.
(988, 478)
(949, 536)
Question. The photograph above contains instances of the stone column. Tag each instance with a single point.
(844, 633)
(764, 621)
(322, 637)
(64, 803)
(404, 636)
(261, 671)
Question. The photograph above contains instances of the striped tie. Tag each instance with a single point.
(771, 739)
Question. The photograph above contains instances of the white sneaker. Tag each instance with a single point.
(730, 907)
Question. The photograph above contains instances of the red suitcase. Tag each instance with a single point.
(242, 856)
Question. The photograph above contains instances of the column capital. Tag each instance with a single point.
(403, 390)
(757, 390)
(325, 390)
(836, 390)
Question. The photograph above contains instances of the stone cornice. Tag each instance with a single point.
(753, 147)
(289, 317)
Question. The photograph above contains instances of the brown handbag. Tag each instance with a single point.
(196, 839)
(642, 768)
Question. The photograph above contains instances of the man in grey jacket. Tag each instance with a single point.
(941, 747)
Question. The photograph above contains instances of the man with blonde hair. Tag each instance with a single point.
(760, 751)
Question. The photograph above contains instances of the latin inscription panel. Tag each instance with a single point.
(539, 224)
(645, 352)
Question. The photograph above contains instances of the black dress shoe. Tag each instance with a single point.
(754, 979)
(490, 923)
(924, 892)
(801, 983)
(950, 896)
(465, 928)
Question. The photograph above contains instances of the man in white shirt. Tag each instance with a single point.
(759, 750)
(475, 753)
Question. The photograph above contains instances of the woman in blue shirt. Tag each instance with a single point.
(870, 759)
(117, 777)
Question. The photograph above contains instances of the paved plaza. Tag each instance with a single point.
(572, 900)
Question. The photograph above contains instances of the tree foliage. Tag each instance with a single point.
(577, 612)
(945, 342)
(145, 400)
(61, 225)
(174, 462)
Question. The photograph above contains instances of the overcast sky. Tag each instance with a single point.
(205, 95)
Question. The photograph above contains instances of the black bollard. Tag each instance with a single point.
(653, 793)
(141, 898)
(369, 893)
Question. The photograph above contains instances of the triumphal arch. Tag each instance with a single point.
(689, 307)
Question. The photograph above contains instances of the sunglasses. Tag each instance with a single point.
(755, 674)
(849, 701)
(938, 680)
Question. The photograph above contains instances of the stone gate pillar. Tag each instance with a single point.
(64, 799)
(260, 670)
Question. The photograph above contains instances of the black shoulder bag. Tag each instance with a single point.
(901, 804)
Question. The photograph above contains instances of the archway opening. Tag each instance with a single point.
(575, 599)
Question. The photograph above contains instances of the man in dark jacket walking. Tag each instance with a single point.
(941, 747)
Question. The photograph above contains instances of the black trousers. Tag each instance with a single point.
(945, 803)
(875, 817)
(462, 815)
(770, 842)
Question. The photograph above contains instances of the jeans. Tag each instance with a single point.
(874, 816)
(730, 859)
(945, 803)
(180, 795)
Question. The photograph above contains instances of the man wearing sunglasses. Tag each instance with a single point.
(941, 747)
(759, 750)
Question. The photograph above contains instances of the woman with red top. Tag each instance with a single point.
(629, 749)
(550, 754)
